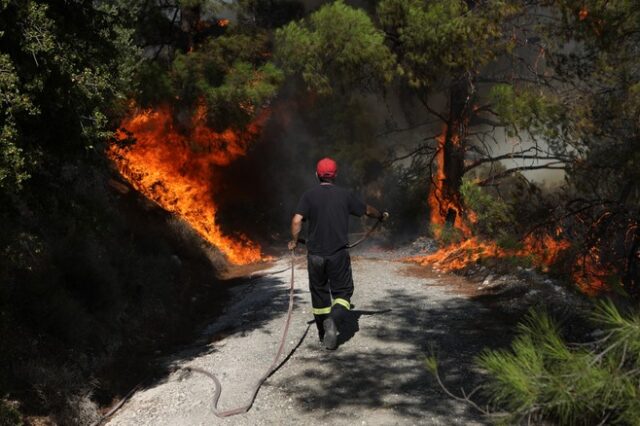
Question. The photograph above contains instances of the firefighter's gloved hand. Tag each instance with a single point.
(384, 216)
(292, 244)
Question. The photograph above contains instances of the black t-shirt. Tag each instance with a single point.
(327, 208)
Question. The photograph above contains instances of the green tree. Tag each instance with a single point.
(65, 71)
(66, 67)
(206, 61)
(337, 47)
(444, 47)
(338, 53)
(436, 50)
(494, 216)
(82, 278)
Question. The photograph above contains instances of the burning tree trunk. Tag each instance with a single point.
(445, 200)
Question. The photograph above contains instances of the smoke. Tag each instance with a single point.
(364, 132)
(260, 190)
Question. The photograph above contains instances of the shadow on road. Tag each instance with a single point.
(389, 372)
(350, 324)
(249, 310)
(379, 364)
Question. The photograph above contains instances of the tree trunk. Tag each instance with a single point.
(454, 143)
(445, 199)
(189, 22)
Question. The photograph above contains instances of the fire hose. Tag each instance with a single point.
(274, 365)
(366, 235)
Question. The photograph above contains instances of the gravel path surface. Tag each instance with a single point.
(376, 376)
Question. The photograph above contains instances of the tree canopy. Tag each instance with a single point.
(63, 71)
(336, 46)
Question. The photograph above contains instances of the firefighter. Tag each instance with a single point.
(326, 207)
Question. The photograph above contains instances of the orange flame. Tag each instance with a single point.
(583, 13)
(543, 250)
(177, 171)
(457, 256)
(442, 202)
(588, 273)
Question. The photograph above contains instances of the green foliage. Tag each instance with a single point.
(543, 377)
(431, 363)
(87, 278)
(494, 215)
(58, 65)
(508, 242)
(337, 46)
(345, 126)
(12, 102)
(523, 108)
(583, 105)
(228, 73)
(519, 261)
(439, 39)
(446, 234)
(87, 274)
(9, 416)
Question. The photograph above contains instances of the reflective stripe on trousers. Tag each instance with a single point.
(327, 310)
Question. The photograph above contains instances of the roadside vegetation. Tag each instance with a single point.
(545, 378)
(96, 279)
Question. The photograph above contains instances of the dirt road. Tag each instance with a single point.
(376, 376)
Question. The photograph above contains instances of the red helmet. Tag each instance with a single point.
(327, 168)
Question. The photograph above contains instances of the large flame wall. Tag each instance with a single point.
(176, 170)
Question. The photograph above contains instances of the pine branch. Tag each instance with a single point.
(508, 172)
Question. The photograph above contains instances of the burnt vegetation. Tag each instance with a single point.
(507, 130)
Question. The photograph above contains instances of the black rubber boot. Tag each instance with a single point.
(339, 314)
(320, 325)
(330, 334)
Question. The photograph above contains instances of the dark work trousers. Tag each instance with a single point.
(331, 286)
